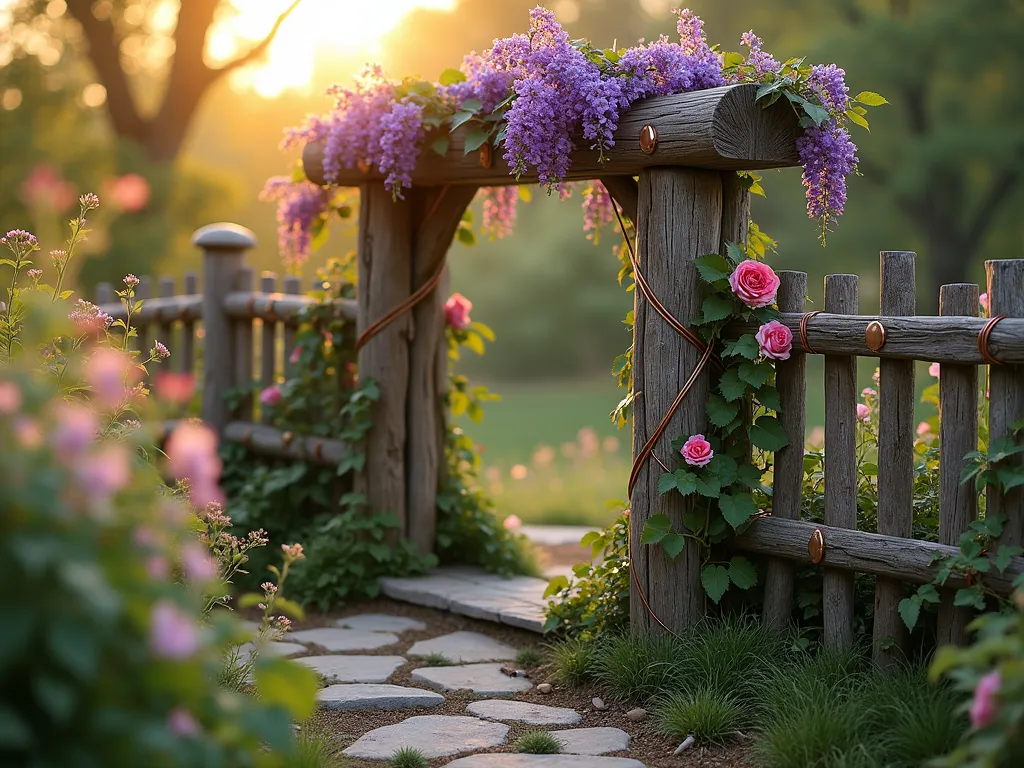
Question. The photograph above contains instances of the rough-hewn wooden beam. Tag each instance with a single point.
(268, 441)
(720, 129)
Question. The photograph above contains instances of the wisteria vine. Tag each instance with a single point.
(538, 96)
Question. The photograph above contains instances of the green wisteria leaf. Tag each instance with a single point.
(742, 572)
(910, 610)
(715, 579)
(731, 386)
(666, 483)
(716, 308)
(721, 411)
(745, 346)
(755, 374)
(737, 508)
(768, 396)
(673, 544)
(686, 482)
(714, 267)
(656, 528)
(768, 434)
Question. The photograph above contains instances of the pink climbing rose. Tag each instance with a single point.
(512, 522)
(456, 311)
(983, 301)
(863, 412)
(983, 707)
(192, 455)
(270, 396)
(924, 428)
(754, 283)
(774, 340)
(933, 370)
(697, 451)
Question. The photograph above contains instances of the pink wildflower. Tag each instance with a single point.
(76, 427)
(104, 473)
(867, 392)
(292, 551)
(172, 634)
(159, 352)
(176, 388)
(10, 397)
(27, 432)
(131, 281)
(984, 706)
(924, 428)
(983, 301)
(271, 396)
(192, 455)
(107, 373)
(512, 522)
(933, 370)
(269, 587)
(199, 566)
(34, 274)
(863, 412)
(181, 722)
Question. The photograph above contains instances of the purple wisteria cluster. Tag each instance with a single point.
(299, 205)
(499, 210)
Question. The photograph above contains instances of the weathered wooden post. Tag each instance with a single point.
(224, 246)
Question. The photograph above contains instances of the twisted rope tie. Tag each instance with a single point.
(983, 338)
(706, 354)
(803, 331)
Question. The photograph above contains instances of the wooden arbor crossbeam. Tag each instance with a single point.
(688, 202)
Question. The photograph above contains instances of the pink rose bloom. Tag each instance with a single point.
(198, 564)
(130, 192)
(270, 396)
(512, 522)
(933, 370)
(293, 358)
(456, 311)
(107, 373)
(754, 283)
(10, 397)
(176, 388)
(774, 340)
(983, 301)
(863, 412)
(76, 428)
(27, 432)
(697, 451)
(172, 634)
(104, 473)
(192, 455)
(924, 428)
(157, 567)
(983, 707)
(181, 722)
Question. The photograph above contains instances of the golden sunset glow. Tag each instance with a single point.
(317, 27)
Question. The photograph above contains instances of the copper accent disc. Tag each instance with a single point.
(874, 336)
(486, 156)
(816, 546)
(287, 437)
(648, 139)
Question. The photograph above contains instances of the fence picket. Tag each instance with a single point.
(1006, 394)
(840, 463)
(188, 328)
(791, 381)
(165, 328)
(143, 291)
(243, 341)
(895, 453)
(268, 344)
(292, 286)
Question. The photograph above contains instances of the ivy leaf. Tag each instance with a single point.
(745, 346)
(870, 98)
(755, 374)
(471, 105)
(749, 475)
(742, 572)
(768, 434)
(476, 138)
(666, 483)
(928, 593)
(440, 145)
(1010, 477)
(686, 482)
(768, 396)
(731, 386)
(734, 253)
(716, 308)
(459, 118)
(709, 486)
(555, 586)
(724, 467)
(910, 610)
(673, 544)
(720, 410)
(737, 508)
(1005, 554)
(715, 579)
(694, 520)
(451, 76)
(714, 267)
(656, 528)
(970, 596)
(1003, 448)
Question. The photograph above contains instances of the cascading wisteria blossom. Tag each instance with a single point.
(539, 96)
(299, 204)
(597, 209)
(499, 210)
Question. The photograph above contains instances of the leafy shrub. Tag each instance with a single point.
(538, 743)
(711, 716)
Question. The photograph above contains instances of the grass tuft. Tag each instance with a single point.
(639, 667)
(409, 757)
(710, 715)
(572, 661)
(529, 657)
(437, 659)
(314, 749)
(538, 743)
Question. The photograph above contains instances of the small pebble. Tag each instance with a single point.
(636, 714)
(599, 703)
(544, 688)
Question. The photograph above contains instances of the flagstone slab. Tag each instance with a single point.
(354, 669)
(484, 679)
(506, 760)
(380, 622)
(527, 712)
(433, 735)
(529, 617)
(592, 741)
(341, 640)
(466, 647)
(275, 648)
(363, 696)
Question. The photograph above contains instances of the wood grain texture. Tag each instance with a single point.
(719, 128)
(678, 220)
(851, 550)
(163, 310)
(385, 277)
(625, 192)
(268, 441)
(958, 435)
(438, 214)
(292, 286)
(165, 328)
(934, 339)
(896, 398)
(840, 463)
(187, 359)
(243, 357)
(144, 340)
(221, 269)
(280, 306)
(1006, 387)
(791, 381)
(268, 344)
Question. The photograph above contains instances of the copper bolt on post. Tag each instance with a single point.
(648, 139)
(874, 336)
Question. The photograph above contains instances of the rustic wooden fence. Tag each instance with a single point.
(672, 172)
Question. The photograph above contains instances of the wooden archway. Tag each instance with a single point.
(687, 202)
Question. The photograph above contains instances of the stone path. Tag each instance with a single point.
(357, 681)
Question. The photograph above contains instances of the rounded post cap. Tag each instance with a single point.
(223, 236)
